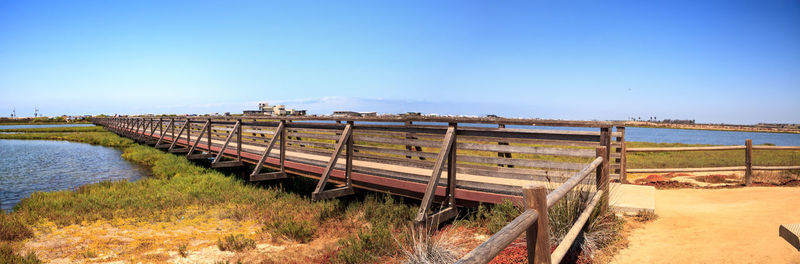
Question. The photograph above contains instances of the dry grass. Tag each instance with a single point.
(422, 247)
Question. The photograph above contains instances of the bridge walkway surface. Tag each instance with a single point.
(408, 180)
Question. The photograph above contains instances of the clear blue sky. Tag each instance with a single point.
(713, 61)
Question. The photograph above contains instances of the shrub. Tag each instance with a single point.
(425, 248)
(301, 231)
(12, 228)
(7, 255)
(236, 242)
(367, 245)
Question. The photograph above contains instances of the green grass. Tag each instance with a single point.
(55, 129)
(721, 158)
(107, 139)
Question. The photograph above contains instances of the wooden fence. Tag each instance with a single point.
(441, 159)
(748, 167)
(534, 220)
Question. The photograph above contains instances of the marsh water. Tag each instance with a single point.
(28, 166)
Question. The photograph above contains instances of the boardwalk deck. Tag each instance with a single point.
(374, 166)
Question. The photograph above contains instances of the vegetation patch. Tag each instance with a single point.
(12, 228)
(237, 242)
(55, 129)
(8, 255)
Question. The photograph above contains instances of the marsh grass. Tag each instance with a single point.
(235, 242)
(55, 129)
(8, 255)
(12, 228)
(689, 159)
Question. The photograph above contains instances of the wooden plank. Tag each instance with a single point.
(776, 167)
(398, 141)
(267, 176)
(777, 147)
(528, 150)
(523, 162)
(704, 169)
(685, 149)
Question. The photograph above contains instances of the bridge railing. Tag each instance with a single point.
(534, 220)
(486, 157)
(747, 167)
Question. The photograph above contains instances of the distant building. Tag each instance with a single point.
(368, 113)
(346, 113)
(275, 110)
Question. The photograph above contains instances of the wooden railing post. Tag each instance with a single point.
(622, 150)
(602, 173)
(748, 162)
(537, 235)
(503, 154)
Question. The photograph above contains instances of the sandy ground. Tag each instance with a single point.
(717, 226)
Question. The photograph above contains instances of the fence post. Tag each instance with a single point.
(601, 177)
(748, 161)
(622, 150)
(537, 235)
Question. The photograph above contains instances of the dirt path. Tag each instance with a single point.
(717, 226)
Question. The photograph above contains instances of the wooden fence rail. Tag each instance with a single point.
(748, 159)
(534, 220)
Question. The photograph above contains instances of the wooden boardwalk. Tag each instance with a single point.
(412, 157)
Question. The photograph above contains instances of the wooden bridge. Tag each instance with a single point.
(448, 160)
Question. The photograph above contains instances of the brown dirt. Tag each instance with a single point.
(717, 226)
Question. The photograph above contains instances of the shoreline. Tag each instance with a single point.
(730, 128)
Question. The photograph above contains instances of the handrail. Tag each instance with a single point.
(486, 251)
(415, 118)
(563, 247)
(748, 167)
(685, 149)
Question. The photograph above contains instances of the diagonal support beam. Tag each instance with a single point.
(256, 175)
(447, 153)
(143, 135)
(191, 154)
(161, 137)
(172, 149)
(218, 163)
(346, 139)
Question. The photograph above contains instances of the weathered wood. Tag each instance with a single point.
(523, 162)
(267, 176)
(218, 158)
(776, 167)
(704, 169)
(444, 151)
(199, 137)
(748, 162)
(777, 147)
(602, 171)
(175, 138)
(227, 164)
(345, 138)
(685, 149)
(527, 150)
(280, 131)
(623, 159)
(537, 235)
